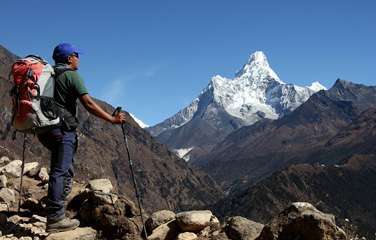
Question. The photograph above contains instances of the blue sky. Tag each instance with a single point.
(154, 57)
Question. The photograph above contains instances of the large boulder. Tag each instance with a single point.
(158, 218)
(302, 221)
(102, 185)
(12, 169)
(195, 221)
(167, 231)
(242, 228)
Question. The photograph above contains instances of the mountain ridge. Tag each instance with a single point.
(254, 152)
(226, 104)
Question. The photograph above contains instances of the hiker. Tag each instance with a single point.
(62, 140)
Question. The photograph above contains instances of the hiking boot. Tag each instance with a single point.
(64, 224)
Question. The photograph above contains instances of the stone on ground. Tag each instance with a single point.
(12, 169)
(194, 221)
(187, 236)
(158, 218)
(102, 185)
(242, 228)
(167, 231)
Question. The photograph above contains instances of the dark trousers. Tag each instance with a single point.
(63, 145)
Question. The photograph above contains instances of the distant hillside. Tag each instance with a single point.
(165, 180)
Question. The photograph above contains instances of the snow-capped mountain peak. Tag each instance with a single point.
(258, 58)
(316, 86)
(138, 121)
(226, 104)
(257, 69)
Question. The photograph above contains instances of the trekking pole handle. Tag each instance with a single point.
(116, 111)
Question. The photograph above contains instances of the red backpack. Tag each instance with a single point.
(34, 108)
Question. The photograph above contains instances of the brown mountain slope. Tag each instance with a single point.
(347, 189)
(165, 181)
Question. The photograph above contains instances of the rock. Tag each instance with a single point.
(38, 218)
(4, 159)
(242, 228)
(4, 207)
(33, 205)
(12, 169)
(112, 218)
(25, 238)
(102, 185)
(130, 208)
(3, 181)
(167, 231)
(302, 221)
(31, 169)
(158, 218)
(220, 236)
(7, 195)
(39, 225)
(105, 198)
(187, 236)
(86, 233)
(194, 221)
(17, 219)
(43, 175)
(214, 223)
(204, 233)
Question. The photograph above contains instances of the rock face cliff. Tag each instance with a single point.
(165, 181)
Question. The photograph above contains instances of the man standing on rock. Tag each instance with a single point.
(62, 140)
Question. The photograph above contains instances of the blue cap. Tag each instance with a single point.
(63, 51)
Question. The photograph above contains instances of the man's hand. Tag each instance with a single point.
(118, 118)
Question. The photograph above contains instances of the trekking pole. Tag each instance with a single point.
(117, 111)
(22, 172)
